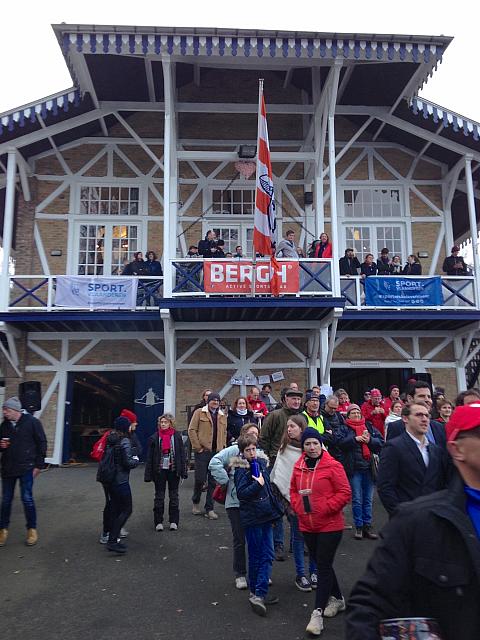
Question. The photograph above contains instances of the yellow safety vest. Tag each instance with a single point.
(316, 423)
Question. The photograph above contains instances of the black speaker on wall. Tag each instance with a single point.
(30, 394)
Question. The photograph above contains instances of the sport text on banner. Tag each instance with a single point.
(392, 291)
(96, 292)
(236, 276)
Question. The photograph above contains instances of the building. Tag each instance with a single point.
(141, 154)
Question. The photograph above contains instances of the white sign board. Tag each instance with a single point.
(96, 292)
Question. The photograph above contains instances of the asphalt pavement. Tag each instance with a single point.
(169, 585)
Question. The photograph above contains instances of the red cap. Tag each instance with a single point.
(126, 413)
(463, 418)
(376, 393)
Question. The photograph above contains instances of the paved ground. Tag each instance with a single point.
(169, 585)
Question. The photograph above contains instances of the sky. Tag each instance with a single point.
(33, 66)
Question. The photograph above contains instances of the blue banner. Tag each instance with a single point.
(393, 291)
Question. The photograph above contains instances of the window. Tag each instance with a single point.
(373, 238)
(109, 200)
(233, 202)
(372, 203)
(103, 249)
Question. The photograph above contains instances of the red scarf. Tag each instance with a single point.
(359, 427)
(164, 436)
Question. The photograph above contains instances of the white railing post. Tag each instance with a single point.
(7, 234)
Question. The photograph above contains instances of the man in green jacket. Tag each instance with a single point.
(275, 424)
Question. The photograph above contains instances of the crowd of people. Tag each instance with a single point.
(302, 461)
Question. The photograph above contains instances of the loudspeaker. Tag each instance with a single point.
(308, 197)
(30, 394)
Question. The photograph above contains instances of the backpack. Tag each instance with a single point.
(98, 448)
(107, 468)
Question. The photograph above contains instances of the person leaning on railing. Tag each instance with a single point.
(349, 264)
(413, 266)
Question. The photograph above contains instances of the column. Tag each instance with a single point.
(7, 234)
(473, 226)
(170, 341)
(333, 182)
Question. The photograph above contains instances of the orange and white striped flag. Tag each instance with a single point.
(265, 224)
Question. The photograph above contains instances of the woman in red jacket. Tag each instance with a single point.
(319, 490)
(321, 248)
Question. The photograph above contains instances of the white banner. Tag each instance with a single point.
(96, 292)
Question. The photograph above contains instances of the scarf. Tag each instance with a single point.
(164, 436)
(359, 427)
(281, 473)
(242, 412)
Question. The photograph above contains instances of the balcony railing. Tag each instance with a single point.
(457, 292)
(37, 292)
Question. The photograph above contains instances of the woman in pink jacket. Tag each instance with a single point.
(319, 490)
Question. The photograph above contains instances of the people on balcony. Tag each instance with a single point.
(238, 252)
(455, 265)
(349, 264)
(369, 267)
(413, 266)
(193, 252)
(138, 266)
(396, 267)
(205, 246)
(286, 247)
(383, 263)
(321, 248)
(153, 265)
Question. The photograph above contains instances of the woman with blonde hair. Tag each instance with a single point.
(166, 464)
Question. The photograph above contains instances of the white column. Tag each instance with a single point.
(313, 359)
(473, 226)
(170, 340)
(460, 366)
(324, 374)
(7, 234)
(169, 180)
(333, 183)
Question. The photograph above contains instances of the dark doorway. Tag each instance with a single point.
(357, 381)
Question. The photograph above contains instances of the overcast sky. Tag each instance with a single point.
(33, 66)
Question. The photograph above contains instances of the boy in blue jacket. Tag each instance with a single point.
(258, 510)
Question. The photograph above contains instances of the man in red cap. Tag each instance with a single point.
(428, 562)
(374, 411)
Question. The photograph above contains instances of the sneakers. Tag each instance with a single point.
(173, 526)
(358, 535)
(241, 583)
(314, 580)
(3, 536)
(159, 527)
(196, 510)
(211, 515)
(271, 599)
(123, 533)
(303, 583)
(280, 554)
(315, 626)
(117, 547)
(368, 532)
(258, 605)
(103, 538)
(334, 606)
(32, 537)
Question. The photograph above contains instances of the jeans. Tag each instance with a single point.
(322, 547)
(362, 498)
(8, 490)
(298, 545)
(164, 477)
(239, 563)
(107, 510)
(278, 533)
(201, 475)
(260, 557)
(121, 496)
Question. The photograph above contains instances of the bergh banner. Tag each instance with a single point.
(392, 291)
(236, 276)
(96, 292)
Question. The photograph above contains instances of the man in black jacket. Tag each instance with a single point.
(420, 392)
(455, 265)
(349, 264)
(428, 563)
(409, 466)
(23, 446)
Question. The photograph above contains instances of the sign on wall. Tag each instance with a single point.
(392, 291)
(96, 292)
(236, 276)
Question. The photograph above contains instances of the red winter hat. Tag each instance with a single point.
(126, 413)
(463, 419)
(376, 392)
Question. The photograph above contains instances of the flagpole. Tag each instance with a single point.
(254, 261)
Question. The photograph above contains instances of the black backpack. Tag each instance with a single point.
(106, 467)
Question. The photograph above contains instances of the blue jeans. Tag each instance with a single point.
(278, 534)
(362, 498)
(8, 490)
(298, 547)
(260, 557)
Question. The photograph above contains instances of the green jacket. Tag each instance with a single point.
(273, 428)
(316, 423)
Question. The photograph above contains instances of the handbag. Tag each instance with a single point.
(220, 493)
